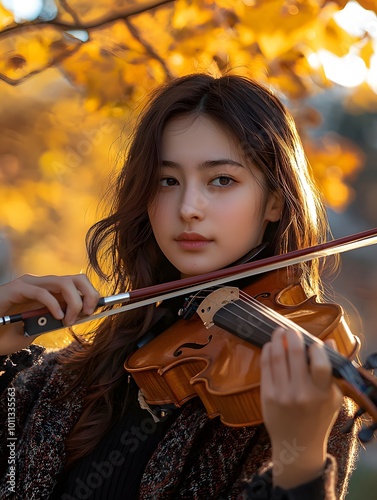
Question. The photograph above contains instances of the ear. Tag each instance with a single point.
(274, 206)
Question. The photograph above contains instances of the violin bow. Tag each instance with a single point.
(41, 320)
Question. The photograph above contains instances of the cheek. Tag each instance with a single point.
(155, 212)
(244, 210)
(242, 221)
(160, 218)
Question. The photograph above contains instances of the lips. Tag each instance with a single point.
(191, 237)
(192, 241)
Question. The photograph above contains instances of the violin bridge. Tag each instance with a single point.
(215, 301)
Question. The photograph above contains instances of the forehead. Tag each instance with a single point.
(198, 134)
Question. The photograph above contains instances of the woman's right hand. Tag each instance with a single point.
(29, 292)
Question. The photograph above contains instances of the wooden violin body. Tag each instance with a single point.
(189, 359)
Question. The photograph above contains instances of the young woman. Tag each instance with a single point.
(214, 170)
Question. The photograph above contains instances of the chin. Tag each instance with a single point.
(190, 272)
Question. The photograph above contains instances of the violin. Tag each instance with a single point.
(215, 354)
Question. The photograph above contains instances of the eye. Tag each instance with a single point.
(168, 181)
(222, 180)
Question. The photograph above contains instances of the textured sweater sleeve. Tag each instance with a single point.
(21, 380)
(261, 487)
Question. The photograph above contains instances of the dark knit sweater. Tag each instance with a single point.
(114, 468)
(198, 458)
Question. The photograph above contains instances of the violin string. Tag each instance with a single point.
(199, 294)
(338, 360)
(260, 330)
(341, 363)
(345, 367)
(279, 320)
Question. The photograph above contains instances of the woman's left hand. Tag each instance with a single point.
(300, 403)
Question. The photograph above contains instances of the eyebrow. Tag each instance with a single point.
(205, 164)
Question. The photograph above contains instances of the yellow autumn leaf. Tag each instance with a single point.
(337, 40)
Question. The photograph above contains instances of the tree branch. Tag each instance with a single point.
(150, 50)
(15, 27)
(65, 5)
(78, 25)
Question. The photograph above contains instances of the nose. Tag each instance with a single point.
(193, 204)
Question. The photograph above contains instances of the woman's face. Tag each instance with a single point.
(211, 207)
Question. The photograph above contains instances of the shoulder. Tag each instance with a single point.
(30, 368)
(15, 363)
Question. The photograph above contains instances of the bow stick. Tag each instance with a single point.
(40, 320)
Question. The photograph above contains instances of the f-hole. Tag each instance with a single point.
(191, 345)
(263, 295)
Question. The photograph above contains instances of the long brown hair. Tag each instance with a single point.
(124, 243)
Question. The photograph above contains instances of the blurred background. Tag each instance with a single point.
(73, 75)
